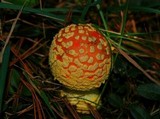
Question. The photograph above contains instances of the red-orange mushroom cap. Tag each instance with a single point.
(80, 57)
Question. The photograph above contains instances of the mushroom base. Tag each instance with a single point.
(83, 100)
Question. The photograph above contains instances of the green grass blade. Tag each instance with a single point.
(3, 74)
(106, 34)
(123, 24)
(124, 19)
(138, 112)
(85, 10)
(102, 17)
(144, 9)
(32, 10)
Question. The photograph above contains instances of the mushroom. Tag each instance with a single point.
(80, 59)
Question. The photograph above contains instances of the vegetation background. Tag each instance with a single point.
(27, 27)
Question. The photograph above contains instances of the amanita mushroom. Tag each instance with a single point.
(80, 57)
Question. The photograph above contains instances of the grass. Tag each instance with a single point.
(26, 86)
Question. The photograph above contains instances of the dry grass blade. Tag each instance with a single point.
(57, 112)
(138, 66)
(38, 109)
(71, 109)
(27, 53)
(27, 109)
(94, 112)
(24, 65)
(11, 31)
(146, 52)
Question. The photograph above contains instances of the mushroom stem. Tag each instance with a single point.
(83, 100)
